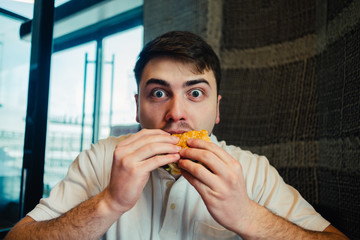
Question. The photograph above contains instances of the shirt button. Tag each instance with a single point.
(172, 206)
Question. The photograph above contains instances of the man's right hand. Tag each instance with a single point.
(134, 159)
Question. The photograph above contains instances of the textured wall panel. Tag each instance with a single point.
(340, 154)
(254, 23)
(161, 16)
(339, 83)
(298, 154)
(334, 8)
(269, 105)
(270, 56)
(339, 199)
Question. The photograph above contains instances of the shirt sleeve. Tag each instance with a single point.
(87, 176)
(266, 187)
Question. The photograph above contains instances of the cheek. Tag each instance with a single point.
(213, 116)
(150, 116)
(203, 115)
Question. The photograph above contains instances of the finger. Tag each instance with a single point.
(158, 161)
(212, 147)
(144, 140)
(196, 183)
(200, 173)
(153, 149)
(145, 161)
(209, 159)
(141, 134)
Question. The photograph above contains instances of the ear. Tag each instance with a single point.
(218, 109)
(137, 107)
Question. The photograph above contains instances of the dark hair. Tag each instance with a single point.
(182, 46)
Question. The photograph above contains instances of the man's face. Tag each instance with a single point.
(174, 98)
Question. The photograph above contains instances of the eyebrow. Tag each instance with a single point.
(196, 81)
(157, 81)
(186, 84)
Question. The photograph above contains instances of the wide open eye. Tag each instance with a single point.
(158, 93)
(196, 93)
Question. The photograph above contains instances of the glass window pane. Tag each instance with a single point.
(14, 76)
(23, 8)
(120, 52)
(67, 126)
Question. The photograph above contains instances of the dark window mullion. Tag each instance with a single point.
(37, 107)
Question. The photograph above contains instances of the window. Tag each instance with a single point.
(72, 94)
(118, 108)
(14, 75)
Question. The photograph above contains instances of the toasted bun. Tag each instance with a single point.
(183, 137)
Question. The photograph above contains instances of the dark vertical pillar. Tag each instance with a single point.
(83, 105)
(97, 92)
(37, 106)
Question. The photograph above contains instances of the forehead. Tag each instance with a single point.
(174, 72)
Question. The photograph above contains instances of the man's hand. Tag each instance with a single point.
(220, 182)
(134, 159)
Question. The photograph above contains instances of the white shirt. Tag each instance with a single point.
(169, 208)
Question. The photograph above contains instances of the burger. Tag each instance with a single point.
(183, 137)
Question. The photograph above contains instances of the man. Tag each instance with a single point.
(119, 187)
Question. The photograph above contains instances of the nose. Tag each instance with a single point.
(176, 110)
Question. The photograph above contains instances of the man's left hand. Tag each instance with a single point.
(220, 182)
